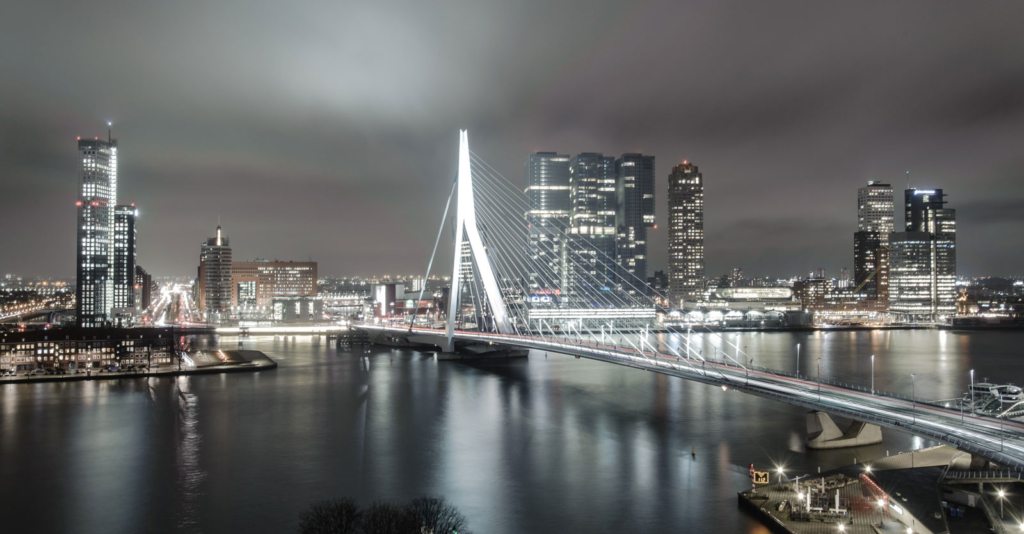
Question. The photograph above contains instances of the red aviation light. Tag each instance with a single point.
(78, 203)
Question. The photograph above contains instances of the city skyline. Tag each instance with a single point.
(313, 155)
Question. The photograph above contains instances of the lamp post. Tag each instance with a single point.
(797, 359)
(972, 391)
(1002, 497)
(819, 378)
(913, 395)
(872, 374)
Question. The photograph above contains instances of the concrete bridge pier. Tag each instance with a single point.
(824, 433)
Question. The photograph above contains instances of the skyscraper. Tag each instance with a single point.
(685, 234)
(548, 219)
(634, 215)
(923, 261)
(214, 277)
(96, 201)
(875, 209)
(123, 261)
(871, 241)
(144, 288)
(593, 198)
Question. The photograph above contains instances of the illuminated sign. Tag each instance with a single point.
(760, 477)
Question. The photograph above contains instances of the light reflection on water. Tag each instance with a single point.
(548, 444)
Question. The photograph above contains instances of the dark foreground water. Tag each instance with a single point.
(545, 444)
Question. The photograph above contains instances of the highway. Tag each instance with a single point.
(999, 440)
(174, 307)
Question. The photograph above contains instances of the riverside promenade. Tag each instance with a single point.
(204, 362)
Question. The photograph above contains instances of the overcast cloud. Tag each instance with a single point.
(328, 130)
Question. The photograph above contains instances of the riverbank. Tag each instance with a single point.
(234, 361)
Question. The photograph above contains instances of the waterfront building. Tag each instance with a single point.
(258, 282)
(871, 265)
(812, 292)
(871, 241)
(214, 277)
(922, 279)
(96, 201)
(123, 263)
(634, 216)
(593, 197)
(685, 234)
(548, 177)
(297, 310)
(145, 287)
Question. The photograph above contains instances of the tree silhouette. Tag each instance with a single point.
(387, 518)
(340, 516)
(435, 516)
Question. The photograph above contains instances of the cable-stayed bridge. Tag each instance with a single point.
(527, 278)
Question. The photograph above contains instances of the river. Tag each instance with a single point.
(544, 444)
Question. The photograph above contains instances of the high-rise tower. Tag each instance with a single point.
(214, 279)
(923, 273)
(123, 262)
(685, 234)
(96, 201)
(871, 241)
(548, 219)
(635, 214)
(593, 198)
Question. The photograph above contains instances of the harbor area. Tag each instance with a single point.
(892, 497)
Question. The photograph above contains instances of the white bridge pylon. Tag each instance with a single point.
(466, 228)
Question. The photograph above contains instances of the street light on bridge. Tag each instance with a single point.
(872, 374)
(972, 391)
(913, 396)
(819, 378)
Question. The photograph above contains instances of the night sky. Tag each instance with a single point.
(328, 130)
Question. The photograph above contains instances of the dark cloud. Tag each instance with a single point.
(327, 129)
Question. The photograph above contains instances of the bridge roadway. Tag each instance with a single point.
(1001, 441)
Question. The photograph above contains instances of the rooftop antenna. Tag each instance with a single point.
(907, 173)
(110, 137)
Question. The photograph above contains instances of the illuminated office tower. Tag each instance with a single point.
(96, 200)
(635, 214)
(685, 234)
(871, 241)
(214, 277)
(258, 282)
(123, 263)
(548, 220)
(593, 198)
(922, 278)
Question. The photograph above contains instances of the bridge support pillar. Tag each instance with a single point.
(824, 433)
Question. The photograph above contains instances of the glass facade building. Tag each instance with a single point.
(214, 277)
(875, 224)
(923, 259)
(94, 243)
(591, 247)
(548, 177)
(635, 214)
(123, 260)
